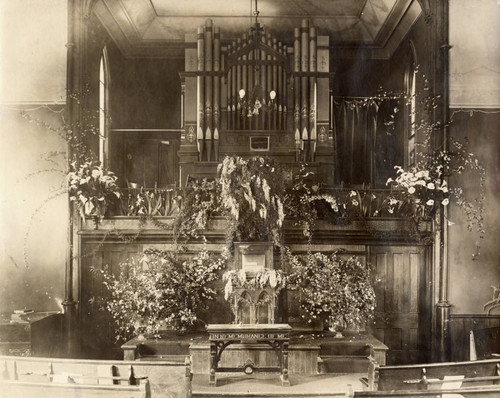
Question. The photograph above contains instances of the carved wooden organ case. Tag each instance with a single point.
(255, 96)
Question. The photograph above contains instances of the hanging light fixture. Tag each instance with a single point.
(252, 103)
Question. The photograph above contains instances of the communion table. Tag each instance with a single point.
(275, 335)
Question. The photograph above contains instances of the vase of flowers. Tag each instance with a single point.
(93, 189)
(335, 290)
(160, 290)
(418, 192)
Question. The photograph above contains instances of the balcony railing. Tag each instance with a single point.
(165, 202)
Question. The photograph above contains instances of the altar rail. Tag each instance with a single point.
(35, 377)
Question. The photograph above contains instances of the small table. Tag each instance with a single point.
(223, 335)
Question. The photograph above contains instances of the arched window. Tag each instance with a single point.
(104, 108)
(410, 109)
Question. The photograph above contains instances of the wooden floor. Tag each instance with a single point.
(269, 385)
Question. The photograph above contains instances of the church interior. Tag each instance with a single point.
(277, 198)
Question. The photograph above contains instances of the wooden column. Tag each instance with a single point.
(74, 61)
(440, 30)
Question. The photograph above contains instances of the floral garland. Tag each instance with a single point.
(251, 193)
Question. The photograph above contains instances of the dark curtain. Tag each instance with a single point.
(366, 141)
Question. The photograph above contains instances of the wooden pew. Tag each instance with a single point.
(462, 392)
(37, 377)
(451, 379)
(24, 389)
(485, 343)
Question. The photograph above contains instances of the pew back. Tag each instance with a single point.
(468, 392)
(158, 376)
(415, 377)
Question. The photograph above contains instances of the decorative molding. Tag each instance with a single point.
(139, 31)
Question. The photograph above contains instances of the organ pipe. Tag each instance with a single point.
(234, 106)
(312, 92)
(304, 56)
(296, 69)
(208, 88)
(258, 64)
(201, 92)
(217, 96)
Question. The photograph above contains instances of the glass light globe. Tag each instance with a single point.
(241, 93)
(272, 95)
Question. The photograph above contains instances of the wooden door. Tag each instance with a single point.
(402, 315)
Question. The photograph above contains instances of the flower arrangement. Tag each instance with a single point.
(93, 189)
(151, 202)
(418, 192)
(251, 193)
(334, 290)
(160, 289)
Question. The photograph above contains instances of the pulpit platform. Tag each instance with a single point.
(309, 353)
(262, 385)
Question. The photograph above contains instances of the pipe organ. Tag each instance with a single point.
(255, 95)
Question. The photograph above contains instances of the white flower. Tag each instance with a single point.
(389, 180)
(431, 186)
(411, 190)
(96, 173)
(393, 201)
(445, 202)
(353, 193)
(430, 202)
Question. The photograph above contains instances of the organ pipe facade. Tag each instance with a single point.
(255, 93)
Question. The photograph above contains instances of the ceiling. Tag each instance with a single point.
(157, 28)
